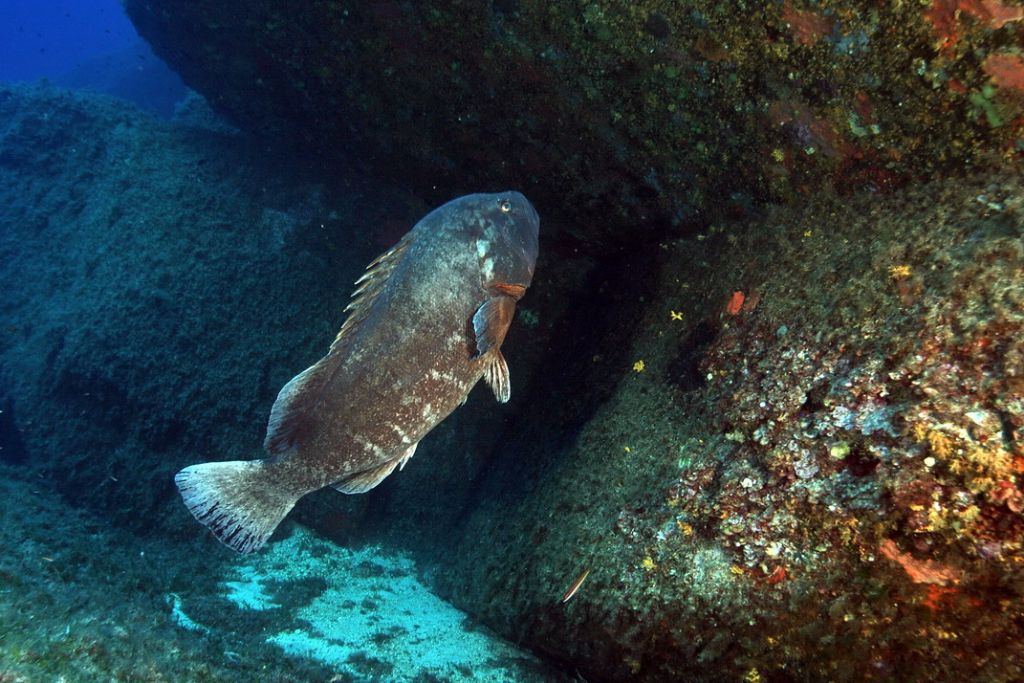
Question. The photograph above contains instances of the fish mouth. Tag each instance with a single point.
(514, 291)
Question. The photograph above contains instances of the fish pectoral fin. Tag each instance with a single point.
(496, 374)
(405, 456)
(491, 322)
(361, 482)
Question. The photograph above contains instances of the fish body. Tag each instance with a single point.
(575, 585)
(427, 322)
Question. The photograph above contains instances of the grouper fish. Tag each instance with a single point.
(426, 322)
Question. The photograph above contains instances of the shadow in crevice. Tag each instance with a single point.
(12, 445)
(585, 355)
(683, 370)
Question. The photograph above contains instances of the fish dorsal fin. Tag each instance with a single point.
(361, 482)
(491, 321)
(295, 401)
(369, 286)
(496, 374)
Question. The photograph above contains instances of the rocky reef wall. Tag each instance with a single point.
(150, 272)
(628, 119)
(784, 440)
(809, 467)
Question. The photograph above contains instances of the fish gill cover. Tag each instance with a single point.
(749, 440)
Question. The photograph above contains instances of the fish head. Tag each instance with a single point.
(506, 230)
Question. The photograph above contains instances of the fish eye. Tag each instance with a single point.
(505, 205)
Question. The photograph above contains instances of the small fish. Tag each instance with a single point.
(575, 586)
(427, 322)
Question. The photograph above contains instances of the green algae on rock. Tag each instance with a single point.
(816, 475)
(134, 249)
(824, 482)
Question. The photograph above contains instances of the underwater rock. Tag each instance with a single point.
(786, 448)
(629, 119)
(12, 446)
(838, 495)
(147, 265)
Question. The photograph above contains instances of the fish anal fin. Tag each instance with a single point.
(361, 482)
(295, 402)
(491, 322)
(496, 374)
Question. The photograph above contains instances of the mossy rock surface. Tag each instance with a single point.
(804, 464)
(814, 473)
(627, 119)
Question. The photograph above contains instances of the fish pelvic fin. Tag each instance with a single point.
(491, 322)
(236, 500)
(496, 374)
(361, 482)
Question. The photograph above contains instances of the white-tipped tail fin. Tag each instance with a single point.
(236, 500)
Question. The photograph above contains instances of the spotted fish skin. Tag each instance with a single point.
(427, 322)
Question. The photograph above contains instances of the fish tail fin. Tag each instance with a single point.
(236, 500)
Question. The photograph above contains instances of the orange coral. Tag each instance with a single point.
(939, 597)
(811, 130)
(944, 16)
(992, 12)
(1006, 492)
(778, 576)
(808, 27)
(1005, 70)
(919, 571)
(735, 304)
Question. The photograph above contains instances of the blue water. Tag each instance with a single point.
(50, 38)
(87, 44)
